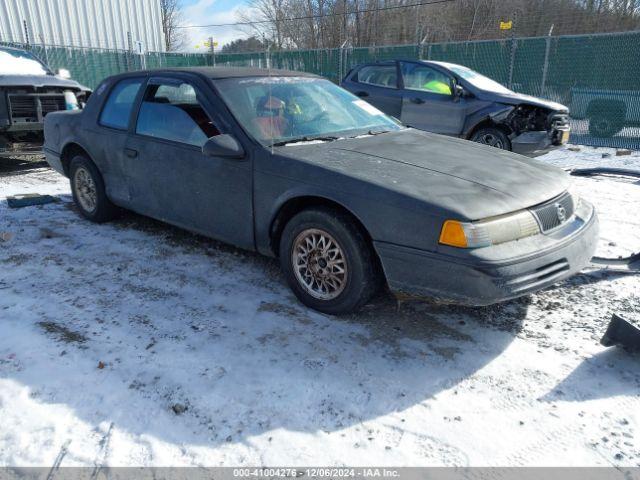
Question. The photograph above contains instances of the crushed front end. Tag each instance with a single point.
(22, 113)
(537, 130)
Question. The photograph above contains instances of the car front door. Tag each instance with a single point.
(171, 179)
(378, 85)
(428, 102)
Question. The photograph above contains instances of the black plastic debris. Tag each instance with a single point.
(590, 172)
(630, 263)
(28, 200)
(622, 333)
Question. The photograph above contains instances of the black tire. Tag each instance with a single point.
(103, 209)
(604, 125)
(362, 276)
(493, 137)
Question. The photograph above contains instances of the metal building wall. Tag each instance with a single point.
(83, 23)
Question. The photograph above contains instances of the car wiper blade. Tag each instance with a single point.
(303, 139)
(377, 132)
(371, 133)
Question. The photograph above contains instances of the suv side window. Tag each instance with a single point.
(379, 75)
(172, 112)
(425, 79)
(117, 108)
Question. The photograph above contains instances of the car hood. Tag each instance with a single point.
(520, 98)
(449, 175)
(39, 81)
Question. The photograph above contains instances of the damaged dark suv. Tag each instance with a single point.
(454, 100)
(29, 90)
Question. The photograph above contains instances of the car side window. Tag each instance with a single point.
(117, 108)
(173, 112)
(426, 79)
(379, 75)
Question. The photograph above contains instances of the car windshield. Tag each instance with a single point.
(19, 62)
(478, 80)
(279, 110)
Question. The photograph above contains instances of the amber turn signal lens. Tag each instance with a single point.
(453, 234)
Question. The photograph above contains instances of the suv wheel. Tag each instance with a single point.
(88, 191)
(327, 261)
(602, 126)
(494, 137)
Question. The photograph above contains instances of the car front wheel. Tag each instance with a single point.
(327, 261)
(493, 137)
(88, 191)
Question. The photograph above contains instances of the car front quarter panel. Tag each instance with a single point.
(386, 215)
(494, 113)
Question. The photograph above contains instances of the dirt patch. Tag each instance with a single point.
(282, 309)
(17, 259)
(62, 333)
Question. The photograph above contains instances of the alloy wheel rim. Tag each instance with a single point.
(319, 264)
(85, 189)
(491, 140)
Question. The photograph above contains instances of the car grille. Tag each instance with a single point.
(52, 103)
(23, 106)
(33, 107)
(555, 212)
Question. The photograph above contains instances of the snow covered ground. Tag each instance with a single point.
(135, 343)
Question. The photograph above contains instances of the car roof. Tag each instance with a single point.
(443, 64)
(411, 60)
(222, 72)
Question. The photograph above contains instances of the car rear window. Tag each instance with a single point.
(379, 75)
(117, 108)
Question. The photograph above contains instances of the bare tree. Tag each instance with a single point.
(171, 15)
(328, 23)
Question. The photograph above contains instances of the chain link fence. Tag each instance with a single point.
(597, 76)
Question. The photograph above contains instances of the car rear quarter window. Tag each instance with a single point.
(379, 75)
(173, 112)
(117, 109)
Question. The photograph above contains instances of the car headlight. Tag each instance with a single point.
(491, 231)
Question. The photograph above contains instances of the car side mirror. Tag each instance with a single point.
(225, 146)
(64, 73)
(458, 91)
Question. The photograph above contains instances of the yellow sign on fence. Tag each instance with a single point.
(506, 25)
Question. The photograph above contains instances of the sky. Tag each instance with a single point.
(199, 12)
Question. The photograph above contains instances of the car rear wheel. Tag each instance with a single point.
(88, 191)
(603, 126)
(494, 137)
(327, 261)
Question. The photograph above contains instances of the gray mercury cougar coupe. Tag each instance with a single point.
(293, 166)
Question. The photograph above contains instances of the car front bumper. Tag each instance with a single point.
(534, 144)
(497, 273)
